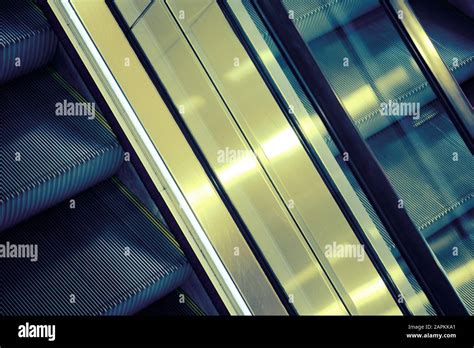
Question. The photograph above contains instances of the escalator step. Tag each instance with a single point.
(454, 248)
(381, 67)
(107, 256)
(440, 189)
(47, 158)
(317, 17)
(26, 39)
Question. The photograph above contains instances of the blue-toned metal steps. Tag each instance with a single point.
(379, 62)
(107, 255)
(49, 157)
(26, 39)
(99, 250)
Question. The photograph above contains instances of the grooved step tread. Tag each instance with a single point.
(26, 39)
(44, 157)
(177, 303)
(107, 255)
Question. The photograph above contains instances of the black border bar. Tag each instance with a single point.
(433, 68)
(363, 163)
(321, 331)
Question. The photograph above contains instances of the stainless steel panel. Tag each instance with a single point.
(232, 158)
(284, 159)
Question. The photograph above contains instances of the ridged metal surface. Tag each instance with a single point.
(106, 254)
(381, 68)
(379, 51)
(109, 252)
(25, 35)
(59, 156)
(317, 17)
(454, 248)
(431, 184)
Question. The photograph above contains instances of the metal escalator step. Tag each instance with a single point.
(26, 40)
(45, 157)
(381, 67)
(107, 256)
(419, 163)
(454, 247)
(318, 17)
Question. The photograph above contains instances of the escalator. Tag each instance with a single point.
(218, 135)
(79, 233)
(370, 70)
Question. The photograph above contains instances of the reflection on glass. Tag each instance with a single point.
(395, 110)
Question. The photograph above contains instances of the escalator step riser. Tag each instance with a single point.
(27, 42)
(48, 158)
(107, 256)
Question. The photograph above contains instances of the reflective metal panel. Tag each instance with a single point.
(234, 162)
(283, 157)
(316, 134)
